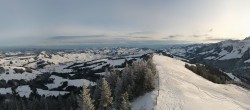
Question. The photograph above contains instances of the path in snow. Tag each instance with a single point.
(181, 89)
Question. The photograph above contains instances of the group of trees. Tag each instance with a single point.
(215, 75)
(11, 102)
(116, 89)
(209, 73)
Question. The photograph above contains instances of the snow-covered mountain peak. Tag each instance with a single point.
(232, 56)
(247, 39)
(42, 55)
(227, 43)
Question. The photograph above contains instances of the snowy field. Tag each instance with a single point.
(19, 70)
(181, 89)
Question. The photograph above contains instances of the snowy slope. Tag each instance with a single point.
(10, 74)
(145, 102)
(231, 56)
(238, 49)
(181, 89)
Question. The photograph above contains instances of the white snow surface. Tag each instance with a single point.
(206, 52)
(24, 90)
(247, 61)
(145, 102)
(181, 89)
(58, 81)
(210, 58)
(116, 62)
(10, 74)
(233, 77)
(57, 59)
(5, 91)
(239, 48)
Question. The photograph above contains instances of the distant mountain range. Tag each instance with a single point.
(232, 56)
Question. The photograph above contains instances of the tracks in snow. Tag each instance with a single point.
(181, 89)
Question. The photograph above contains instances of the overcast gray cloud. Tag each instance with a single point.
(202, 35)
(75, 37)
(31, 22)
(215, 39)
(172, 37)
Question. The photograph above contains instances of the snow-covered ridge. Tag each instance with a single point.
(238, 48)
(181, 89)
(64, 58)
(225, 50)
(231, 56)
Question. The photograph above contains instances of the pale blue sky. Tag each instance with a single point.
(56, 22)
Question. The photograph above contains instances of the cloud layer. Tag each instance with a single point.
(46, 22)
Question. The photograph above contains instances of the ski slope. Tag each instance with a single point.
(181, 89)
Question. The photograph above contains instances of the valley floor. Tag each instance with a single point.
(181, 89)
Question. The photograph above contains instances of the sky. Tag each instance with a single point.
(75, 22)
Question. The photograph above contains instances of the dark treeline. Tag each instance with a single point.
(117, 89)
(209, 73)
(12, 102)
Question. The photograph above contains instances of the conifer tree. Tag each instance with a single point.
(152, 66)
(125, 104)
(72, 100)
(111, 77)
(117, 94)
(149, 81)
(97, 93)
(87, 102)
(106, 98)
